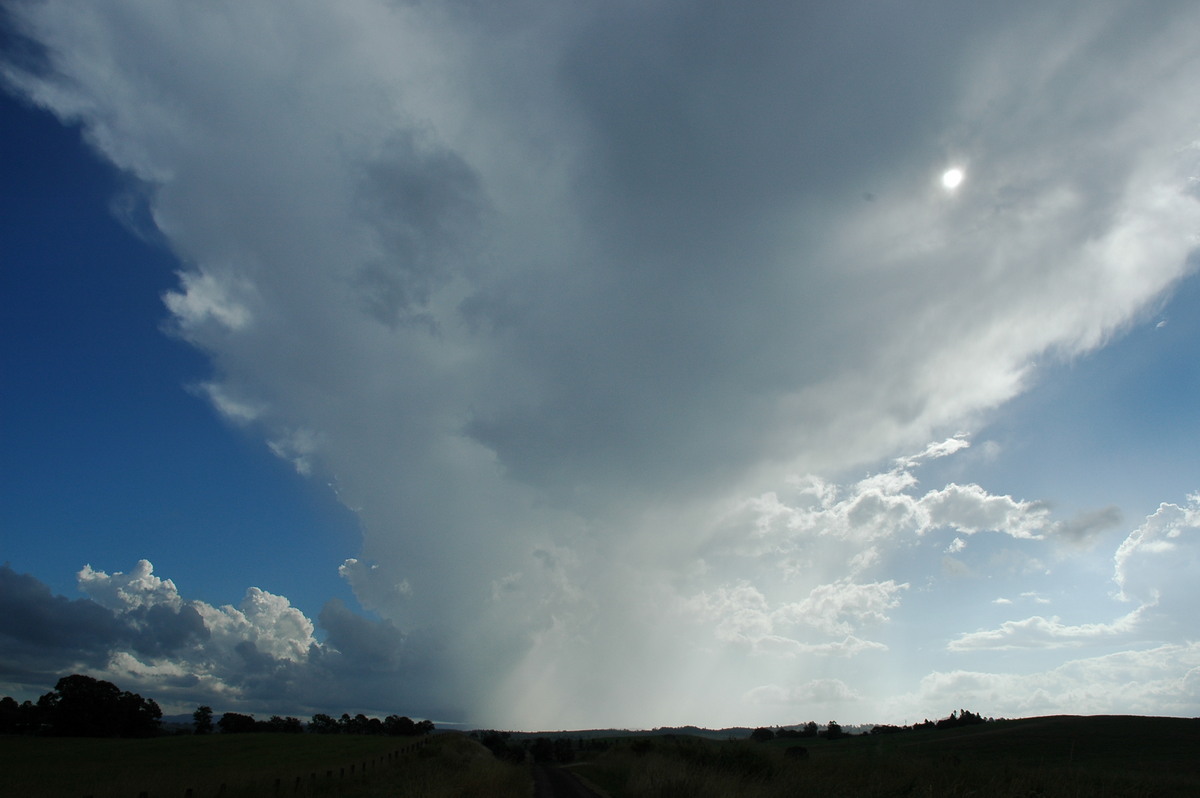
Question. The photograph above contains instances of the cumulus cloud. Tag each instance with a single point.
(137, 630)
(1148, 681)
(885, 505)
(818, 691)
(138, 589)
(1172, 533)
(580, 278)
(1162, 591)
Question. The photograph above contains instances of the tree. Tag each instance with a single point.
(288, 725)
(235, 723)
(323, 724)
(202, 719)
(833, 731)
(398, 725)
(762, 735)
(80, 706)
(359, 724)
(10, 713)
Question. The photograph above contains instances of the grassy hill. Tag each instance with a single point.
(244, 765)
(1045, 757)
(1111, 757)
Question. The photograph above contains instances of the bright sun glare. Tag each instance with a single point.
(951, 178)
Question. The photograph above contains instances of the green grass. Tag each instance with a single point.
(1043, 757)
(249, 765)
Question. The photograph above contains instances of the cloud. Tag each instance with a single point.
(1039, 632)
(1172, 531)
(41, 630)
(838, 608)
(138, 631)
(580, 278)
(138, 589)
(818, 691)
(880, 506)
(1147, 681)
(1084, 529)
(743, 615)
(1162, 590)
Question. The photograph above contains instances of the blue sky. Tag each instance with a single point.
(98, 399)
(569, 365)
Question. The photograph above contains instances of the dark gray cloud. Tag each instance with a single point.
(43, 632)
(425, 207)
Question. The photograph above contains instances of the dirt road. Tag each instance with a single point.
(552, 782)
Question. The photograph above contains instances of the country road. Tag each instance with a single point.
(552, 782)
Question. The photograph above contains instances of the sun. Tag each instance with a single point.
(952, 178)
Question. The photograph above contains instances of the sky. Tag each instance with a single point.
(543, 365)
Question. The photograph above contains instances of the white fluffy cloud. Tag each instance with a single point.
(817, 692)
(262, 655)
(1151, 681)
(1171, 536)
(547, 288)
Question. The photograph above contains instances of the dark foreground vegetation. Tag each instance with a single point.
(246, 766)
(1036, 757)
(961, 755)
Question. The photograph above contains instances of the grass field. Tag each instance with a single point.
(1043, 757)
(1072, 757)
(233, 766)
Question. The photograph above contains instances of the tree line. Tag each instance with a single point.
(237, 723)
(834, 731)
(82, 706)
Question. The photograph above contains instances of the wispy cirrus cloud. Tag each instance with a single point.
(1039, 632)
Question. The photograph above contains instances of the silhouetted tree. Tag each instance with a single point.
(963, 717)
(278, 725)
(10, 712)
(80, 706)
(202, 720)
(398, 725)
(833, 731)
(323, 724)
(501, 746)
(236, 723)
(359, 724)
(886, 728)
(762, 735)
